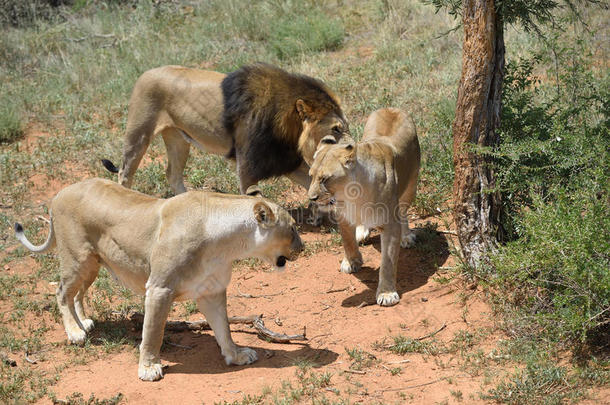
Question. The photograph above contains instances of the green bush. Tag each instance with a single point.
(312, 32)
(10, 125)
(553, 173)
(557, 272)
(553, 135)
(23, 13)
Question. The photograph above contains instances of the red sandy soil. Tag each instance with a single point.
(310, 294)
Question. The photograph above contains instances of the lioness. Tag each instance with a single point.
(268, 120)
(371, 183)
(175, 249)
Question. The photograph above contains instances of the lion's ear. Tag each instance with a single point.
(254, 191)
(264, 215)
(303, 109)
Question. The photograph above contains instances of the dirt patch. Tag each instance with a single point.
(312, 294)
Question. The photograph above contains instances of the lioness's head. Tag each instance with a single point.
(277, 236)
(330, 173)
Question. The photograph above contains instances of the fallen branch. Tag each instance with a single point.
(429, 335)
(448, 232)
(177, 345)
(245, 295)
(337, 290)
(256, 321)
(400, 361)
(410, 386)
(361, 372)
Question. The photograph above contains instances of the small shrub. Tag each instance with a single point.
(537, 384)
(558, 269)
(11, 127)
(24, 13)
(313, 32)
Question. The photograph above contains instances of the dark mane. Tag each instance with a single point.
(260, 114)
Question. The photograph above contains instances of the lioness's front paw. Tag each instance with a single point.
(408, 241)
(87, 324)
(76, 336)
(151, 372)
(362, 233)
(243, 355)
(352, 266)
(387, 299)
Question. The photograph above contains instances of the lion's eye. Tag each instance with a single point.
(337, 129)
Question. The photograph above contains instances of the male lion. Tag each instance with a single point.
(371, 183)
(268, 120)
(175, 249)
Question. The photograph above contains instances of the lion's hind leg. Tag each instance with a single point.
(177, 155)
(90, 275)
(214, 308)
(140, 130)
(74, 274)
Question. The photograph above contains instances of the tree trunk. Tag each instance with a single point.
(477, 119)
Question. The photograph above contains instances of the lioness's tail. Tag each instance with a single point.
(50, 242)
(110, 166)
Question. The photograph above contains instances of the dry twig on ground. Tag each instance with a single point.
(256, 321)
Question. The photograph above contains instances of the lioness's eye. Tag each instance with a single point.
(337, 129)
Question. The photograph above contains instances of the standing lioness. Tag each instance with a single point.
(175, 249)
(268, 120)
(372, 183)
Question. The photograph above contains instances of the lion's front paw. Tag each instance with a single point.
(387, 299)
(352, 266)
(243, 355)
(87, 324)
(151, 372)
(362, 233)
(408, 241)
(76, 336)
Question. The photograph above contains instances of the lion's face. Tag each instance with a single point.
(279, 239)
(332, 127)
(330, 173)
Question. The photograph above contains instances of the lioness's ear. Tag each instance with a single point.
(263, 214)
(303, 109)
(254, 191)
(349, 159)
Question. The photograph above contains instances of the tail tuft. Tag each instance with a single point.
(18, 228)
(110, 166)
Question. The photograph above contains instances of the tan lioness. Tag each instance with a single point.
(266, 119)
(371, 184)
(175, 249)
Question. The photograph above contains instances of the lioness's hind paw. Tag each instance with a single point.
(77, 336)
(244, 355)
(153, 372)
(388, 299)
(87, 324)
(408, 241)
(350, 267)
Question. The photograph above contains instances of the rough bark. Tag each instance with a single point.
(477, 119)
